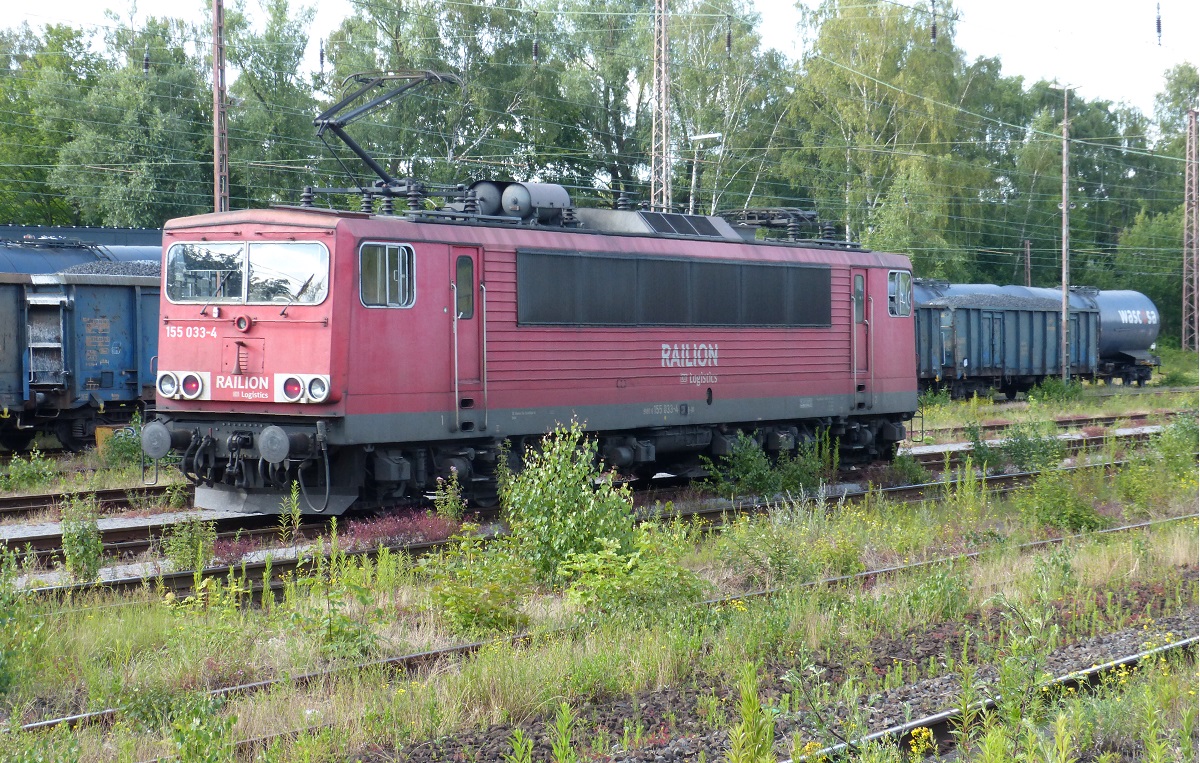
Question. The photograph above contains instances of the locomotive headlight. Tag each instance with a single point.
(293, 388)
(191, 386)
(168, 384)
(318, 389)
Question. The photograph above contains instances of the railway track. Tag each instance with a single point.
(955, 454)
(288, 560)
(1062, 423)
(107, 501)
(943, 724)
(411, 664)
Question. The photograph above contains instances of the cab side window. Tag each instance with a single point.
(899, 293)
(386, 275)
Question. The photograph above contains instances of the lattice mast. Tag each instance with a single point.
(1191, 238)
(660, 149)
(220, 125)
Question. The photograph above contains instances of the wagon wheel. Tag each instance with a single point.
(16, 439)
(71, 441)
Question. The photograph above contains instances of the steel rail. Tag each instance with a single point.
(941, 723)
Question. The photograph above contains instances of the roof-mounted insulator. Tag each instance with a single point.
(387, 206)
(623, 201)
(536, 46)
(306, 196)
(368, 202)
(470, 203)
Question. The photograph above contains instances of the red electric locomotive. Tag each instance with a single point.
(364, 355)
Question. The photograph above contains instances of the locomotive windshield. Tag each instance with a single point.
(255, 273)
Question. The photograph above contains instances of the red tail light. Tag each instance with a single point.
(292, 388)
(191, 386)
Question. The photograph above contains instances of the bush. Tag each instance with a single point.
(1053, 390)
(447, 498)
(190, 544)
(1029, 449)
(562, 503)
(648, 580)
(1165, 470)
(1056, 500)
(744, 471)
(907, 470)
(476, 590)
(82, 547)
(29, 473)
(930, 399)
(815, 463)
(124, 448)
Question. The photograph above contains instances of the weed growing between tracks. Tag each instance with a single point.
(82, 546)
(866, 639)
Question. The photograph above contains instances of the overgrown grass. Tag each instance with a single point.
(947, 414)
(155, 654)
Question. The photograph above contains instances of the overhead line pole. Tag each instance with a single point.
(660, 149)
(220, 127)
(1191, 238)
(1066, 234)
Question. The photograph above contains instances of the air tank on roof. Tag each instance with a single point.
(487, 196)
(524, 200)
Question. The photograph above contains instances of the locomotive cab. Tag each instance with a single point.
(250, 374)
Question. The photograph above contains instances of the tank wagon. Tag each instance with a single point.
(976, 337)
(364, 355)
(83, 334)
(1129, 324)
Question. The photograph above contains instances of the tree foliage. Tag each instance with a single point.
(898, 137)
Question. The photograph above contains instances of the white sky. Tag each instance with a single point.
(1107, 49)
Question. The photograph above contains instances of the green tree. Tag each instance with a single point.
(142, 151)
(272, 105)
(1149, 259)
(35, 67)
(738, 93)
(910, 220)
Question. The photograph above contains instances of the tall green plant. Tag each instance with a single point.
(82, 547)
(562, 502)
(18, 631)
(752, 738)
(744, 471)
(189, 544)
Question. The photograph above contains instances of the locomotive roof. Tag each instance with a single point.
(596, 224)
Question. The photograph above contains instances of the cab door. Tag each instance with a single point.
(860, 337)
(467, 327)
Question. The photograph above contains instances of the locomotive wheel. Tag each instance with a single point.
(16, 440)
